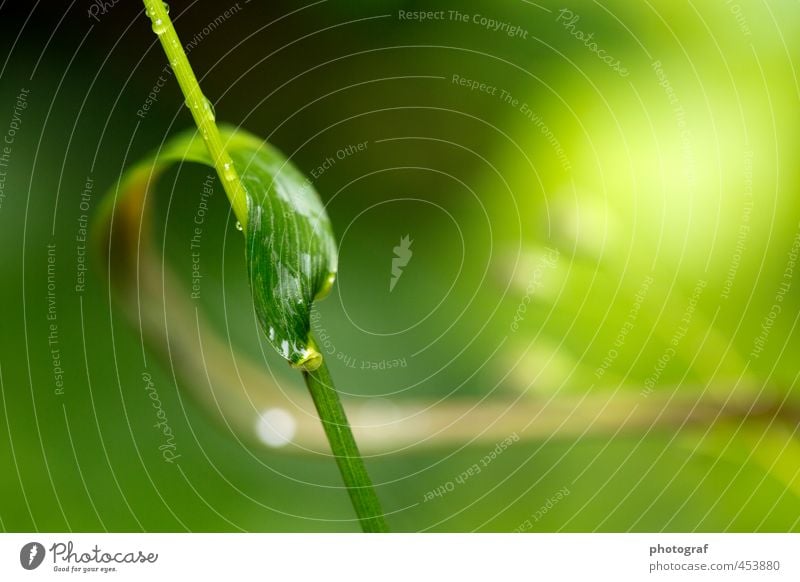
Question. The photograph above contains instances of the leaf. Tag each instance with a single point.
(291, 252)
(289, 244)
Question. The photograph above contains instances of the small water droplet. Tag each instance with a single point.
(228, 171)
(209, 110)
(239, 226)
(309, 361)
(166, 7)
(327, 285)
(159, 26)
(207, 107)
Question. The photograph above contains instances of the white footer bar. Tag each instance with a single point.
(401, 557)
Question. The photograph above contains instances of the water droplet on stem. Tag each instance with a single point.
(209, 110)
(228, 171)
(311, 360)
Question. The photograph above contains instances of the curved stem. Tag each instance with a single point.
(351, 465)
(202, 111)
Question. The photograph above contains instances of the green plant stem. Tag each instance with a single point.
(326, 399)
(200, 107)
(351, 465)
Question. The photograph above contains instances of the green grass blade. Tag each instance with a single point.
(200, 107)
(291, 252)
(351, 465)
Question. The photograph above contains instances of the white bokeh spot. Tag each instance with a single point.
(276, 427)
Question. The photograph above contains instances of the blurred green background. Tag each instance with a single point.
(578, 233)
